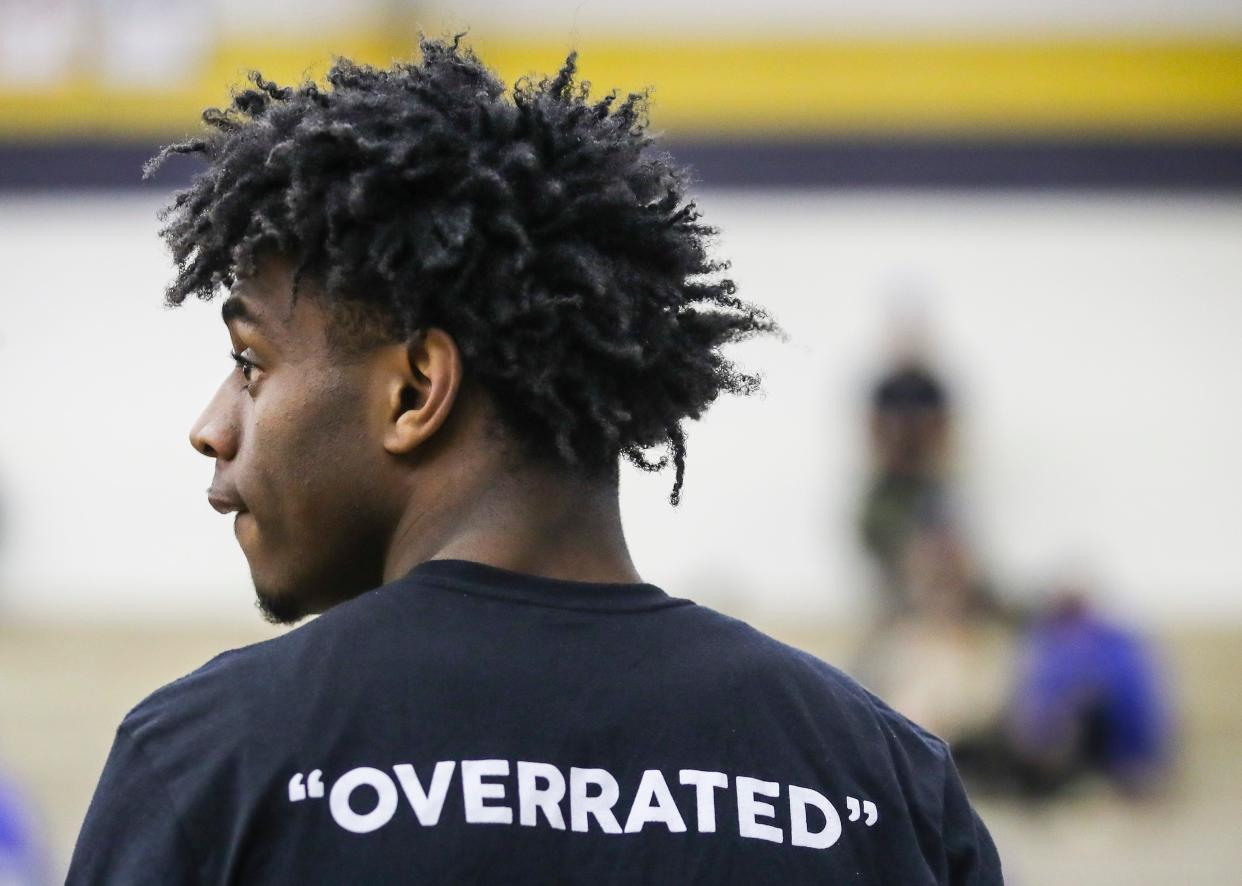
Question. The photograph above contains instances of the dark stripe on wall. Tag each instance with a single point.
(966, 163)
(970, 164)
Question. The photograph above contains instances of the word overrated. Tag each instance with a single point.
(543, 796)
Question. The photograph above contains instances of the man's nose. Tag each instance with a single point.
(215, 432)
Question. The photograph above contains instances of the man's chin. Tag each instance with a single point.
(285, 599)
(280, 609)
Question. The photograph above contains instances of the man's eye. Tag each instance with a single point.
(246, 366)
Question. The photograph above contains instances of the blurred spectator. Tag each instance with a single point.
(937, 654)
(1089, 699)
(1029, 704)
(21, 859)
(944, 660)
(909, 429)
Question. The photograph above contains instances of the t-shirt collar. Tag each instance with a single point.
(483, 580)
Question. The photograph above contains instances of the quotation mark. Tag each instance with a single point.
(873, 814)
(313, 787)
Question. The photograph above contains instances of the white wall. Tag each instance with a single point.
(1093, 341)
(834, 18)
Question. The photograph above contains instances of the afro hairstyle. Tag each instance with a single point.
(542, 229)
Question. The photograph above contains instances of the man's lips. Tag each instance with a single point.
(225, 502)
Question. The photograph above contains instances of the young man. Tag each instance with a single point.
(453, 310)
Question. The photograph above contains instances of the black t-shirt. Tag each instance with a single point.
(466, 724)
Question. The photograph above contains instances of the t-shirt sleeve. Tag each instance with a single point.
(132, 833)
(971, 855)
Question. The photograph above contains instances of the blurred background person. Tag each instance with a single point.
(945, 655)
(22, 861)
(1090, 700)
(1033, 696)
(910, 423)
(938, 645)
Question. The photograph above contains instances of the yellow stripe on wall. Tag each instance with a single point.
(780, 87)
(895, 87)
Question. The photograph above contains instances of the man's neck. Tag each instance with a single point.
(536, 521)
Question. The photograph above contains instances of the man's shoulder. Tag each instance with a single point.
(225, 697)
(238, 685)
(757, 662)
(216, 692)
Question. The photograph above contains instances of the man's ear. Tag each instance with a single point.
(422, 395)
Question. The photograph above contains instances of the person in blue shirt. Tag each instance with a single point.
(1089, 699)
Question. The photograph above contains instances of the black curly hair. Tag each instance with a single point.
(544, 231)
